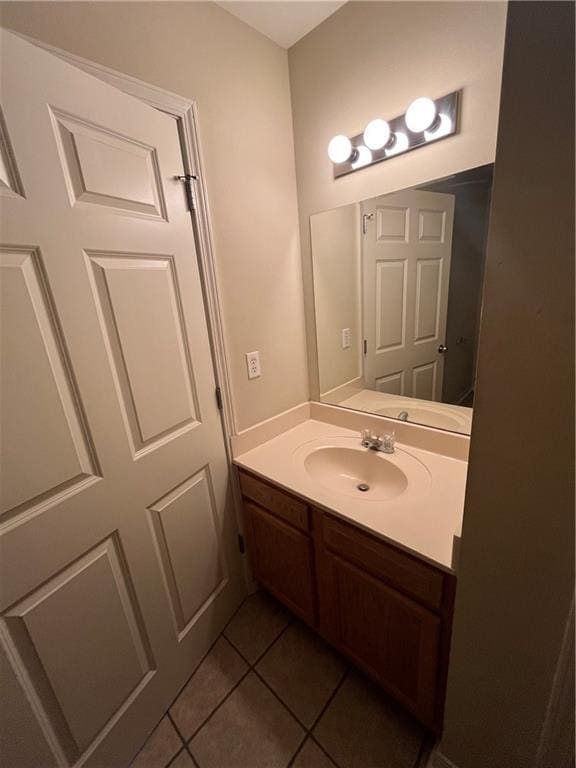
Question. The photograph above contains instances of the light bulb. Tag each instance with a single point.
(442, 129)
(420, 115)
(376, 134)
(339, 149)
(401, 144)
(364, 157)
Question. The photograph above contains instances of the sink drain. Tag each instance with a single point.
(363, 487)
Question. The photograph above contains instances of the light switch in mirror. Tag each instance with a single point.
(402, 273)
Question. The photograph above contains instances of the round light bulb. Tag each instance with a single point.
(376, 134)
(364, 157)
(339, 149)
(420, 114)
(401, 144)
(443, 128)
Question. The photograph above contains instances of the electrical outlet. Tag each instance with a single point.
(345, 338)
(253, 364)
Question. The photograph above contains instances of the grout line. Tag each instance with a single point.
(172, 759)
(252, 664)
(329, 700)
(217, 707)
(231, 619)
(195, 762)
(197, 667)
(323, 750)
(262, 680)
(273, 643)
(300, 748)
(169, 716)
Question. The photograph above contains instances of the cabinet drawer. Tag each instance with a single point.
(287, 507)
(282, 559)
(406, 573)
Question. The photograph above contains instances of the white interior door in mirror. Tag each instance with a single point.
(118, 540)
(406, 253)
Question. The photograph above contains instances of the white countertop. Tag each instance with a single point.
(424, 523)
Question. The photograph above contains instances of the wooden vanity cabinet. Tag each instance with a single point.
(389, 612)
(280, 545)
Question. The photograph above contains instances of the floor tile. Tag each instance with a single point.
(311, 756)
(362, 728)
(160, 747)
(209, 685)
(256, 625)
(303, 671)
(251, 728)
(182, 761)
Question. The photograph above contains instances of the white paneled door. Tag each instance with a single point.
(117, 538)
(406, 254)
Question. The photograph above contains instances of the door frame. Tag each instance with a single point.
(185, 113)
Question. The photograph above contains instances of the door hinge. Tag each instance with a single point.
(366, 217)
(365, 346)
(188, 180)
(241, 545)
(219, 398)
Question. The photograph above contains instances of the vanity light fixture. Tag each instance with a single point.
(425, 121)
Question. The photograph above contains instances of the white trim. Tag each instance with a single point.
(185, 113)
(437, 760)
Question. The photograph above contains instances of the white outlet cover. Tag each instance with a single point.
(253, 364)
(345, 338)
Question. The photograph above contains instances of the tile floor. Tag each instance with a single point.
(271, 694)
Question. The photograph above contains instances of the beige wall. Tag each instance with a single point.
(516, 576)
(240, 82)
(371, 59)
(336, 257)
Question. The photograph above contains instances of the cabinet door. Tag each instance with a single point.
(393, 638)
(282, 560)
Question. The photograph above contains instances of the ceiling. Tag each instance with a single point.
(283, 22)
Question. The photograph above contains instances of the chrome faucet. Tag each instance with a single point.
(384, 443)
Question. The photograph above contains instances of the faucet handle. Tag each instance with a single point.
(389, 442)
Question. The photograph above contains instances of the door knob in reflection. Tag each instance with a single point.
(442, 349)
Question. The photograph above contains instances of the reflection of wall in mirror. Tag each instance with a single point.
(465, 287)
(336, 236)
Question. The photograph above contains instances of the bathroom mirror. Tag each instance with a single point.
(397, 294)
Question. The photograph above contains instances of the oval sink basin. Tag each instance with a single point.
(353, 472)
(343, 466)
(428, 416)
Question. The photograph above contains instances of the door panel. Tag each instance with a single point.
(406, 254)
(104, 168)
(139, 306)
(118, 539)
(188, 513)
(41, 464)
